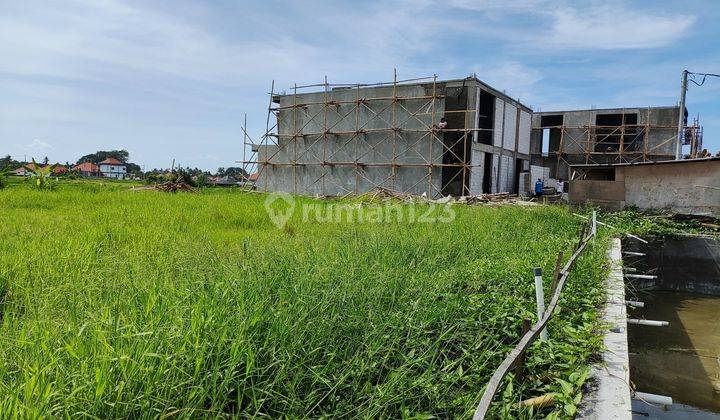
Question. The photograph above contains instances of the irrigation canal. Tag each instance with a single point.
(681, 360)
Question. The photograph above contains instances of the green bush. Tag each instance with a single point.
(201, 180)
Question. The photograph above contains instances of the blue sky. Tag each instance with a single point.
(173, 79)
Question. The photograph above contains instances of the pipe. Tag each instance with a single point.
(635, 304)
(653, 398)
(629, 235)
(648, 322)
(630, 269)
(641, 276)
(637, 254)
(540, 298)
(594, 223)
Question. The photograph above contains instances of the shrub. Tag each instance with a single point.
(201, 180)
(42, 176)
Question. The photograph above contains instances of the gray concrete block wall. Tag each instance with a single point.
(659, 140)
(477, 160)
(342, 145)
(305, 116)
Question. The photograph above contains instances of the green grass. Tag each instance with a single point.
(147, 304)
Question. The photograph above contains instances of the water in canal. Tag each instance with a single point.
(682, 360)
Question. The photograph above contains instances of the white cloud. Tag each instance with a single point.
(88, 74)
(38, 144)
(614, 27)
(515, 78)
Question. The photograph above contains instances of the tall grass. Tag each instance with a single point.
(145, 304)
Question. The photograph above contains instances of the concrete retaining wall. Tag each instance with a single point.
(679, 187)
(688, 187)
(690, 264)
(609, 397)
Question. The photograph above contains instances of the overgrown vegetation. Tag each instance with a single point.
(660, 224)
(144, 304)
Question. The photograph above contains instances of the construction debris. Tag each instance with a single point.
(382, 194)
(168, 186)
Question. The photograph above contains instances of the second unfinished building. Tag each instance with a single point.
(608, 136)
(424, 136)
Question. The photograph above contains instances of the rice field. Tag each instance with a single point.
(147, 304)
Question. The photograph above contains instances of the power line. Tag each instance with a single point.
(704, 77)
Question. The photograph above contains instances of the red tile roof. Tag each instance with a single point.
(253, 177)
(111, 161)
(86, 167)
(60, 169)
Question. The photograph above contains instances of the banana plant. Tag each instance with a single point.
(42, 175)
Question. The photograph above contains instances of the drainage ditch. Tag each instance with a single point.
(681, 360)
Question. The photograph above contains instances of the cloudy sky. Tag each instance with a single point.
(172, 79)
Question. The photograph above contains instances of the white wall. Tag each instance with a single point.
(114, 171)
(524, 135)
(498, 127)
(507, 174)
(495, 164)
(509, 128)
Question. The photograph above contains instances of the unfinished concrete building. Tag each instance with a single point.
(605, 136)
(420, 136)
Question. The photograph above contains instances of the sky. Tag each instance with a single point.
(173, 79)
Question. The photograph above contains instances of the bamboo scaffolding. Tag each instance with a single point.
(297, 121)
(635, 143)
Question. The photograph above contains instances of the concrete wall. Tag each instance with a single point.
(609, 195)
(477, 171)
(679, 187)
(344, 148)
(690, 264)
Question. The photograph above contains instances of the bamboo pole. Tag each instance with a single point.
(394, 127)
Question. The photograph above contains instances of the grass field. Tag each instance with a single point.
(147, 304)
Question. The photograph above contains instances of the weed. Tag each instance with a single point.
(138, 304)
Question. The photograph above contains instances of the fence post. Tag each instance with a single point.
(520, 364)
(594, 223)
(540, 298)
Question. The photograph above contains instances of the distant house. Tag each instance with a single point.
(21, 171)
(224, 181)
(113, 168)
(25, 170)
(87, 169)
(60, 169)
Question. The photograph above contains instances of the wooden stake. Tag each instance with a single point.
(520, 363)
(556, 272)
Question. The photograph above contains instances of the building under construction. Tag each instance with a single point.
(420, 136)
(444, 137)
(608, 136)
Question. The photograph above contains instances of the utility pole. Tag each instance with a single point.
(681, 116)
